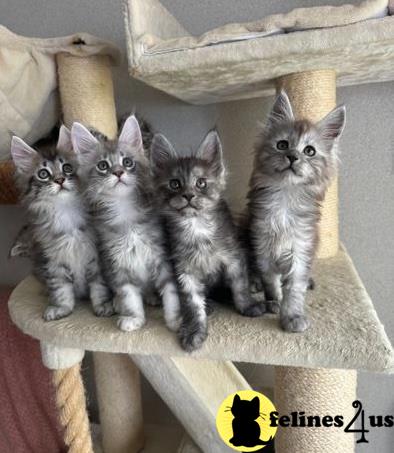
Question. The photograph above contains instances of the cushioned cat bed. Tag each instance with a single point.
(345, 333)
(243, 60)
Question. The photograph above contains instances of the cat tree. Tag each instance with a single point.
(315, 371)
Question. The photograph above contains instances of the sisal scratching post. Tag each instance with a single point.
(313, 95)
(71, 403)
(315, 392)
(87, 96)
(116, 379)
(8, 192)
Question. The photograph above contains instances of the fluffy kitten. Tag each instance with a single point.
(293, 166)
(117, 188)
(202, 235)
(61, 243)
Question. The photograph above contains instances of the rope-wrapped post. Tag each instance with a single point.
(71, 403)
(87, 96)
(312, 95)
(8, 192)
(315, 392)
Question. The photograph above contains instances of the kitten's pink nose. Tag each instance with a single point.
(188, 196)
(118, 173)
(59, 180)
(292, 158)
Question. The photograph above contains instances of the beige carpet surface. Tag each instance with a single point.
(346, 332)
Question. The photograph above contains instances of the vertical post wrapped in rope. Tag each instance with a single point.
(71, 403)
(315, 392)
(313, 95)
(87, 96)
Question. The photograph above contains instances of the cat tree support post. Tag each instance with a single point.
(315, 391)
(87, 95)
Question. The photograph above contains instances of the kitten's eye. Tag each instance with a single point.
(43, 174)
(309, 151)
(282, 145)
(128, 162)
(102, 165)
(67, 169)
(201, 183)
(175, 184)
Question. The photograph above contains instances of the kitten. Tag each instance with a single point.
(117, 187)
(294, 164)
(202, 235)
(61, 245)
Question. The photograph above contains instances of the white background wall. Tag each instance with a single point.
(367, 171)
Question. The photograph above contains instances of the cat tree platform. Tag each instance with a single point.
(239, 61)
(345, 335)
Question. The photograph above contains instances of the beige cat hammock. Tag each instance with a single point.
(315, 371)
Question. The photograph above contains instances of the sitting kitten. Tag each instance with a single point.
(61, 243)
(117, 188)
(202, 234)
(293, 166)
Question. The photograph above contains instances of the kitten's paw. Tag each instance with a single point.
(297, 323)
(192, 340)
(130, 323)
(105, 309)
(52, 313)
(254, 310)
(174, 324)
(256, 286)
(272, 306)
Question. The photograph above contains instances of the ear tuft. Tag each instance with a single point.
(131, 134)
(210, 151)
(22, 154)
(281, 110)
(162, 151)
(84, 143)
(64, 142)
(333, 124)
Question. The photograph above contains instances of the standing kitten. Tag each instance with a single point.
(61, 243)
(294, 164)
(117, 188)
(202, 234)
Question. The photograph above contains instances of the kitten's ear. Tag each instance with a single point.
(236, 399)
(256, 402)
(84, 143)
(22, 154)
(281, 110)
(210, 150)
(161, 152)
(131, 134)
(332, 125)
(64, 142)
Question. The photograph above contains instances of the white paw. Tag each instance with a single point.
(130, 323)
(296, 323)
(52, 313)
(174, 323)
(104, 310)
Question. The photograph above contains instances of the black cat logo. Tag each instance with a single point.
(246, 430)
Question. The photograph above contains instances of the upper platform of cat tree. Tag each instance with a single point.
(240, 61)
(345, 333)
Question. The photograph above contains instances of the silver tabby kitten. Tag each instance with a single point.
(294, 163)
(61, 243)
(117, 188)
(202, 236)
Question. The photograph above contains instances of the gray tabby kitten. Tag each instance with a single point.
(118, 190)
(62, 245)
(294, 163)
(202, 235)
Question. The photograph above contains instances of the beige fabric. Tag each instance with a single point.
(29, 104)
(360, 53)
(315, 392)
(345, 332)
(296, 20)
(119, 398)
